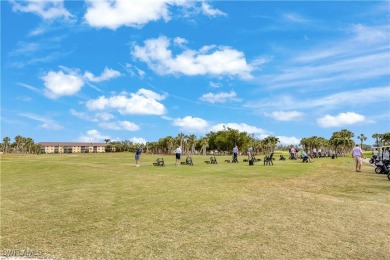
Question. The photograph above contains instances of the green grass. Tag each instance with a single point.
(100, 206)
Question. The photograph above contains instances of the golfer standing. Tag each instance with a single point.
(178, 154)
(138, 156)
(357, 154)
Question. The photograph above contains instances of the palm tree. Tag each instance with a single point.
(180, 137)
(19, 143)
(270, 142)
(205, 144)
(362, 138)
(376, 136)
(191, 143)
(346, 135)
(29, 144)
(386, 137)
(6, 141)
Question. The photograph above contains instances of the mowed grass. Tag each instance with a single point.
(100, 206)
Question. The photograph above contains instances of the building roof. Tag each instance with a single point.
(71, 144)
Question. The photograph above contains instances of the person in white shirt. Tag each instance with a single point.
(357, 154)
(178, 154)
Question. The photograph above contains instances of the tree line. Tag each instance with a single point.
(219, 142)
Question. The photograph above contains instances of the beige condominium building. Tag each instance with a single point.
(72, 147)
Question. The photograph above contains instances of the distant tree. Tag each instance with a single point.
(29, 143)
(36, 148)
(270, 143)
(191, 143)
(6, 141)
(377, 137)
(386, 138)
(204, 142)
(362, 138)
(342, 139)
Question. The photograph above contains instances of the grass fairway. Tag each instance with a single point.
(99, 206)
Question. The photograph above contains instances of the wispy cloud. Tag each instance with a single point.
(27, 86)
(120, 125)
(296, 18)
(28, 53)
(47, 123)
(336, 63)
(221, 97)
(345, 98)
(48, 9)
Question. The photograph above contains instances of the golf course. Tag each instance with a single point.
(100, 206)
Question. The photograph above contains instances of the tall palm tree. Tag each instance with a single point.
(362, 138)
(191, 143)
(346, 135)
(270, 142)
(376, 136)
(6, 141)
(29, 142)
(170, 141)
(19, 143)
(205, 144)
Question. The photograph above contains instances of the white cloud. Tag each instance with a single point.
(58, 84)
(287, 140)
(240, 127)
(215, 84)
(138, 140)
(104, 116)
(119, 125)
(209, 60)
(143, 102)
(68, 82)
(342, 119)
(93, 136)
(191, 124)
(285, 115)
(220, 97)
(106, 75)
(48, 9)
(47, 123)
(210, 11)
(113, 14)
(180, 41)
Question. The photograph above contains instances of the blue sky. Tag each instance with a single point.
(142, 70)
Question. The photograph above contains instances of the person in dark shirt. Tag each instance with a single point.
(138, 156)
